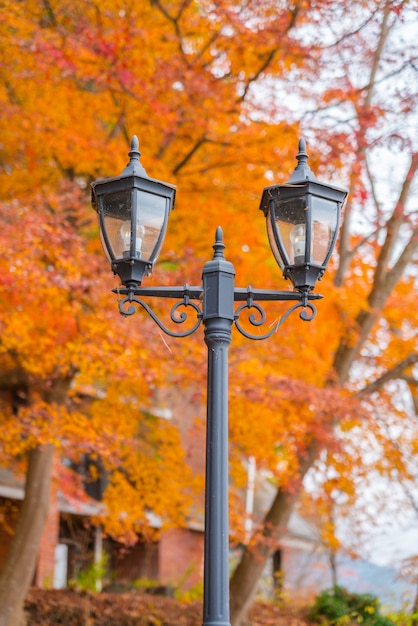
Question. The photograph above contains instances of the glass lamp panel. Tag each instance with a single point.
(150, 225)
(290, 224)
(117, 211)
(324, 225)
(104, 246)
(272, 239)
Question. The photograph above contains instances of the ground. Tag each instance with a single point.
(69, 608)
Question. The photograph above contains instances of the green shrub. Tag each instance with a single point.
(338, 606)
(89, 578)
(404, 618)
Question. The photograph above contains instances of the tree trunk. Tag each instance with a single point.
(414, 609)
(278, 579)
(246, 576)
(244, 581)
(333, 566)
(17, 573)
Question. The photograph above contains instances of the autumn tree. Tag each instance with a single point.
(218, 93)
(64, 354)
(374, 348)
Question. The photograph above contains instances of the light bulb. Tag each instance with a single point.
(298, 240)
(140, 232)
(125, 231)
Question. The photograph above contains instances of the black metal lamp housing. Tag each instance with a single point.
(302, 223)
(133, 211)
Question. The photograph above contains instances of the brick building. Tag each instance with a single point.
(70, 542)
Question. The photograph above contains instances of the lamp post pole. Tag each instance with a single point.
(217, 316)
(302, 223)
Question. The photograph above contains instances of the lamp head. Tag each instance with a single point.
(133, 211)
(302, 218)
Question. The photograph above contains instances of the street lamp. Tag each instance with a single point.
(133, 213)
(302, 218)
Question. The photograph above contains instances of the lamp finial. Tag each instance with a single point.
(219, 245)
(302, 171)
(302, 155)
(134, 152)
(134, 166)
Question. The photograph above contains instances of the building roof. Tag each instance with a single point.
(11, 486)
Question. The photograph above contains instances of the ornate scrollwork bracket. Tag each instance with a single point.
(134, 299)
(192, 297)
(258, 316)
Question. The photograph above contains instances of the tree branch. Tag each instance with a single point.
(264, 65)
(384, 279)
(392, 374)
(189, 155)
(392, 230)
(175, 22)
(345, 254)
(384, 32)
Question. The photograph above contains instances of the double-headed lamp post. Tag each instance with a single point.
(302, 218)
